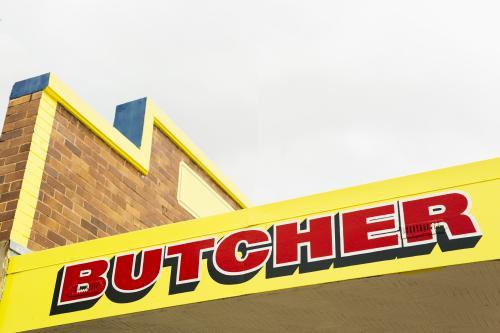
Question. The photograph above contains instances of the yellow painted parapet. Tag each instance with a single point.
(55, 91)
(434, 219)
(30, 188)
(139, 157)
(196, 196)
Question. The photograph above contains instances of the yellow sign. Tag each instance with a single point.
(434, 219)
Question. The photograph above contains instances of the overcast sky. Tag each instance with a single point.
(288, 98)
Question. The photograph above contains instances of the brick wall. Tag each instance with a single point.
(14, 147)
(88, 191)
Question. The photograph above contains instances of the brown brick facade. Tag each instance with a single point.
(88, 190)
(14, 147)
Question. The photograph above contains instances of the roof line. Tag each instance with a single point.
(130, 139)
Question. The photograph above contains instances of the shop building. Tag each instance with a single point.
(130, 228)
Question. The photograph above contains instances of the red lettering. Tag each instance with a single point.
(227, 260)
(189, 258)
(369, 230)
(124, 279)
(421, 216)
(83, 281)
(318, 237)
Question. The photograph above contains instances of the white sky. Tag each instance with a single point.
(288, 98)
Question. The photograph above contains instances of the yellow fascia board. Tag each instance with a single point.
(139, 157)
(31, 278)
(363, 195)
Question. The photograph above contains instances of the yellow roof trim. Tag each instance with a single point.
(140, 157)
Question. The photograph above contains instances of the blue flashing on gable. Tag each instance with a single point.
(29, 86)
(129, 119)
